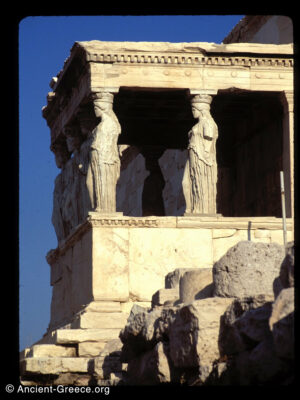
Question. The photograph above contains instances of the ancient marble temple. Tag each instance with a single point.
(168, 155)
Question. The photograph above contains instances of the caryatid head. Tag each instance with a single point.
(201, 104)
(72, 138)
(86, 120)
(61, 154)
(102, 103)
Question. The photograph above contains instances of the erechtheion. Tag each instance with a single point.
(169, 154)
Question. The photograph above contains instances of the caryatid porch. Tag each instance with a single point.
(169, 153)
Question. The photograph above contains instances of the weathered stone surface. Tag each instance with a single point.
(150, 368)
(70, 336)
(110, 264)
(56, 365)
(193, 335)
(103, 306)
(51, 350)
(94, 46)
(282, 324)
(196, 285)
(90, 349)
(244, 324)
(150, 262)
(96, 320)
(247, 269)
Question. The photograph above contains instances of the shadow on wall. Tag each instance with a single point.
(150, 181)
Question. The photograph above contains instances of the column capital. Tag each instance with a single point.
(105, 94)
(109, 89)
(210, 92)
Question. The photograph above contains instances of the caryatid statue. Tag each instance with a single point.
(62, 155)
(200, 175)
(103, 167)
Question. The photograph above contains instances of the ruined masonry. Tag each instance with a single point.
(168, 155)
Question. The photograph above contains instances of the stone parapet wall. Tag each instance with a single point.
(115, 259)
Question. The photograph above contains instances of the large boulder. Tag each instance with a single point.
(248, 269)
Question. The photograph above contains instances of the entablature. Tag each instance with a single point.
(106, 66)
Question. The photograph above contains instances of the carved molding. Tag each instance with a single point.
(111, 222)
(178, 59)
(190, 222)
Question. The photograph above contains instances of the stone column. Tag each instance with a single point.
(200, 175)
(287, 99)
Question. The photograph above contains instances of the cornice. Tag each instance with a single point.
(194, 60)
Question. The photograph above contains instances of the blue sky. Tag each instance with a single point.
(44, 44)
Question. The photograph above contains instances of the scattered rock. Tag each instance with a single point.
(282, 324)
(150, 368)
(194, 332)
(264, 366)
(244, 324)
(228, 331)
